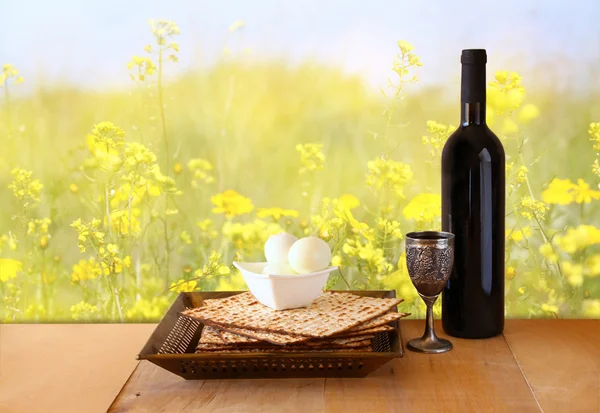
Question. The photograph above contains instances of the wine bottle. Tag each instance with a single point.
(473, 195)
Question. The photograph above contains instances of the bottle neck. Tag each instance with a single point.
(472, 113)
(472, 96)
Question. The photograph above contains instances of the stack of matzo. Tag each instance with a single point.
(334, 322)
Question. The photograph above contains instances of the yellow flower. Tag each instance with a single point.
(73, 188)
(389, 228)
(85, 270)
(596, 167)
(231, 204)
(207, 230)
(201, 169)
(511, 273)
(177, 168)
(389, 174)
(594, 132)
(236, 25)
(250, 236)
(522, 174)
(148, 309)
(141, 66)
(311, 157)
(336, 260)
(9, 268)
(528, 112)
(506, 94)
(550, 308)
(276, 213)
(583, 193)
(519, 234)
(573, 272)
(423, 207)
(548, 252)
(185, 237)
(592, 265)
(509, 127)
(25, 188)
(163, 29)
(183, 286)
(347, 201)
(359, 227)
(405, 47)
(83, 311)
(234, 282)
(531, 208)
(9, 71)
(591, 308)
(559, 192)
(576, 239)
(125, 223)
(438, 135)
(371, 258)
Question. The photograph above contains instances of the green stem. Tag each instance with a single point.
(162, 109)
(525, 237)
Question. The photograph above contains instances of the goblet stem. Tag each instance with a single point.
(429, 330)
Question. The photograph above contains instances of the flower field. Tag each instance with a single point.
(115, 201)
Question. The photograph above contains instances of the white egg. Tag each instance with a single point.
(309, 254)
(279, 268)
(278, 246)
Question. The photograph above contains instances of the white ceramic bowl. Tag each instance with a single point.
(281, 292)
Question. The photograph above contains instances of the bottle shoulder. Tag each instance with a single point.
(474, 138)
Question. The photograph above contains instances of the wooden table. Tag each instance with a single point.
(538, 365)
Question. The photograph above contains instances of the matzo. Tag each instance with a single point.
(378, 321)
(360, 333)
(286, 350)
(329, 314)
(210, 335)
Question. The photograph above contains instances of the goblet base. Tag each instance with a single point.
(429, 346)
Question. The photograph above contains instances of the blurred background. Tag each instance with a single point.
(147, 145)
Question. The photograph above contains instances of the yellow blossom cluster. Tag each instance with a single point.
(404, 61)
(423, 208)
(201, 170)
(141, 67)
(565, 192)
(8, 72)
(85, 270)
(437, 136)
(39, 229)
(532, 208)
(9, 268)
(389, 175)
(83, 311)
(276, 213)
(311, 157)
(231, 203)
(251, 235)
(24, 187)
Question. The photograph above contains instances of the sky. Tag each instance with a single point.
(89, 42)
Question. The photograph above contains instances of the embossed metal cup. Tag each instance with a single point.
(429, 258)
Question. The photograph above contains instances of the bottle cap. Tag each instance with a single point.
(473, 57)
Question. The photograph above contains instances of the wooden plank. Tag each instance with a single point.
(476, 376)
(561, 360)
(152, 389)
(66, 368)
(75, 368)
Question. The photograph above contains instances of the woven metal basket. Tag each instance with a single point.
(172, 344)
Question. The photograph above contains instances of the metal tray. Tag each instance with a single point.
(172, 344)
